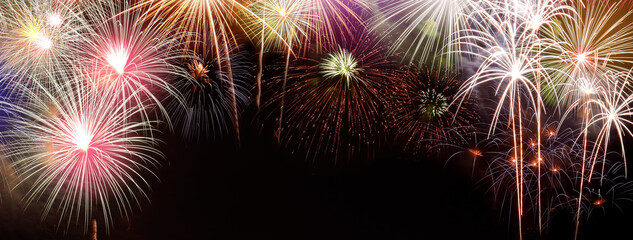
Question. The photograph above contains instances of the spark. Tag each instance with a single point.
(599, 202)
(476, 152)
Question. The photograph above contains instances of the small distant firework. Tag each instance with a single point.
(207, 111)
(333, 100)
(614, 190)
(469, 144)
(341, 64)
(78, 151)
(418, 108)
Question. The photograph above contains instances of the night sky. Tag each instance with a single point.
(369, 147)
(214, 191)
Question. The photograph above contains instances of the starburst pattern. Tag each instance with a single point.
(79, 149)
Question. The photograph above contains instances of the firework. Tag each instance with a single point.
(333, 100)
(596, 38)
(207, 98)
(39, 38)
(613, 109)
(277, 25)
(79, 151)
(418, 108)
(505, 39)
(549, 176)
(334, 20)
(130, 59)
(427, 29)
(209, 20)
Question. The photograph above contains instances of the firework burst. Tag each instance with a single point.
(505, 38)
(130, 59)
(279, 25)
(39, 38)
(333, 100)
(613, 110)
(79, 150)
(207, 98)
(427, 28)
(597, 37)
(418, 108)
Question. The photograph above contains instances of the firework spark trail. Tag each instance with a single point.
(613, 110)
(605, 100)
(584, 91)
(540, 15)
(76, 148)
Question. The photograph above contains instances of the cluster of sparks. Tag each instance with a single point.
(538, 90)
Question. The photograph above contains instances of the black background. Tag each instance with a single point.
(215, 191)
